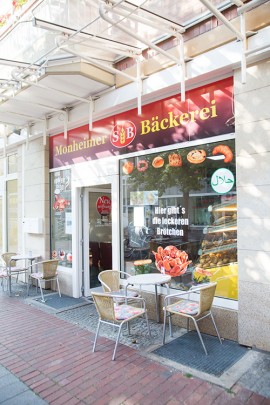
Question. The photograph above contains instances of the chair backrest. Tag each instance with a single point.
(6, 258)
(49, 268)
(207, 294)
(105, 306)
(110, 280)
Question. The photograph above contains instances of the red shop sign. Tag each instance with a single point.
(207, 112)
(104, 205)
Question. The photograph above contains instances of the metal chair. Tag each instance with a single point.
(110, 281)
(191, 309)
(48, 272)
(117, 315)
(10, 268)
(3, 276)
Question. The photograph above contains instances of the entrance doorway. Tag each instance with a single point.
(97, 225)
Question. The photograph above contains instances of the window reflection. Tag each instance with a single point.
(61, 217)
(170, 202)
(12, 216)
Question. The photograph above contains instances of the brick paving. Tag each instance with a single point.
(51, 359)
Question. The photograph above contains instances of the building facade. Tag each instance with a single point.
(192, 173)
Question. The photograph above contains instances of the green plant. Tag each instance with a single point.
(200, 280)
(142, 266)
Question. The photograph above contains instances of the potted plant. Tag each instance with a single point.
(142, 266)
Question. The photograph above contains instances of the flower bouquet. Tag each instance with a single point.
(171, 260)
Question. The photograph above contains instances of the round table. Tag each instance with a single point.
(150, 279)
(24, 269)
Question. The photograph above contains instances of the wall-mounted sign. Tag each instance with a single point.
(205, 113)
(222, 181)
(104, 205)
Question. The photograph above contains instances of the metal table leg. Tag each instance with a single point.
(9, 279)
(157, 304)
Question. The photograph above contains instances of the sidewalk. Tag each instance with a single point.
(46, 359)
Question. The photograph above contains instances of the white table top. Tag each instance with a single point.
(24, 257)
(147, 279)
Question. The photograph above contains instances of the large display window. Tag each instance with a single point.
(179, 214)
(61, 217)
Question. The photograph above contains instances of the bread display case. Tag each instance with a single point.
(218, 258)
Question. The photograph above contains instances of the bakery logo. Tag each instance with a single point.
(123, 134)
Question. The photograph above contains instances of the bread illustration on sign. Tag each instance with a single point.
(223, 150)
(196, 156)
(142, 165)
(128, 167)
(158, 162)
(175, 160)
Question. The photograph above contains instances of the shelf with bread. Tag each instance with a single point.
(218, 259)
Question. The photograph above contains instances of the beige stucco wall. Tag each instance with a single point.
(34, 195)
(253, 193)
(34, 200)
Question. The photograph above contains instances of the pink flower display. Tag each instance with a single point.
(171, 260)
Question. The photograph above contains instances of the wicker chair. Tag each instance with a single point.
(191, 309)
(116, 315)
(110, 281)
(10, 268)
(3, 276)
(48, 272)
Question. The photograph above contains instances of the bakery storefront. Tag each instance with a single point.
(175, 170)
(179, 210)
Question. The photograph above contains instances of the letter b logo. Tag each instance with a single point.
(123, 134)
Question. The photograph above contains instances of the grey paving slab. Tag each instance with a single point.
(26, 398)
(15, 392)
(3, 371)
(257, 377)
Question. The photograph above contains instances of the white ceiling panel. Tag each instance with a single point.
(58, 53)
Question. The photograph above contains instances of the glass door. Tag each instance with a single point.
(98, 235)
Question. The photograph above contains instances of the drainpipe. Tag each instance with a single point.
(244, 48)
(45, 127)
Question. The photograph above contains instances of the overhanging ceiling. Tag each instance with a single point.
(60, 53)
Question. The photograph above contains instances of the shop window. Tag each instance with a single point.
(179, 210)
(61, 217)
(1, 225)
(2, 167)
(12, 163)
(12, 215)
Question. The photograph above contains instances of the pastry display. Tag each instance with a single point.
(219, 258)
(196, 156)
(175, 160)
(128, 167)
(158, 162)
(223, 150)
(142, 165)
(219, 243)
